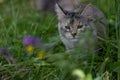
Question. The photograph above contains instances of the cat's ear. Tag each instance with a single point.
(88, 11)
(60, 11)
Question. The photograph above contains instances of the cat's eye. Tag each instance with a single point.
(67, 27)
(79, 26)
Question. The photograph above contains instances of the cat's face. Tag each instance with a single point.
(71, 24)
(73, 28)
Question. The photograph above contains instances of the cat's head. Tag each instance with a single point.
(73, 24)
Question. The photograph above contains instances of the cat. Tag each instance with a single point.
(76, 20)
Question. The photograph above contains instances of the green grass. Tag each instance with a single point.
(18, 19)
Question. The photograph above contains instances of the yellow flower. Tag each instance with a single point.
(30, 49)
(41, 55)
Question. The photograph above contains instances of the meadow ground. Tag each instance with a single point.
(31, 49)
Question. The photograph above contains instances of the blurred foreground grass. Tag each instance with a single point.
(18, 19)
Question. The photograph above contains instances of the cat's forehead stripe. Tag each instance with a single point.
(74, 21)
(71, 21)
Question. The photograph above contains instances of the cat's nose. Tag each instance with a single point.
(73, 34)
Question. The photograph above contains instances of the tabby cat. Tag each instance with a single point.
(77, 20)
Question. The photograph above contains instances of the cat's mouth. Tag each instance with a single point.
(74, 39)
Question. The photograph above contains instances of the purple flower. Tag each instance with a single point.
(4, 51)
(8, 56)
(31, 40)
